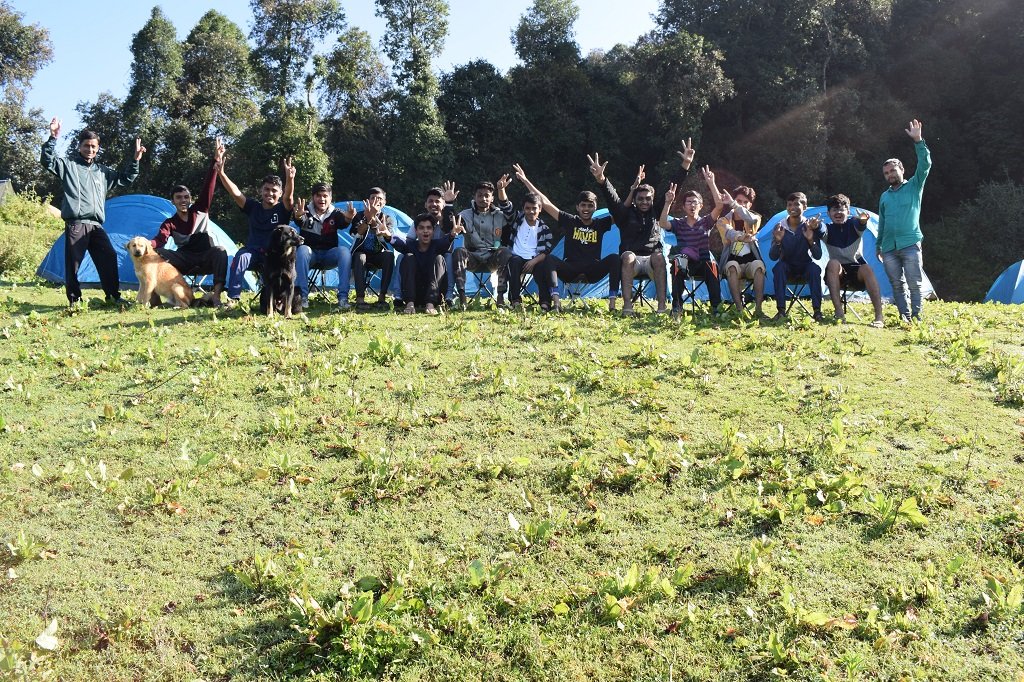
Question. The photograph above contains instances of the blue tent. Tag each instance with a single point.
(1009, 286)
(764, 242)
(129, 216)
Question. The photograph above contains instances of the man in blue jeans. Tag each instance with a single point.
(899, 226)
(319, 222)
(796, 245)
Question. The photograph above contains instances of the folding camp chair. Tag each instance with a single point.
(317, 283)
(795, 288)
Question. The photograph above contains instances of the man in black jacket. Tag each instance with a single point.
(319, 222)
(641, 250)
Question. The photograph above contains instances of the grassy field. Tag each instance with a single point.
(193, 495)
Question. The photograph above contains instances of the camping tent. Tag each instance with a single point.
(126, 217)
(1009, 286)
(764, 241)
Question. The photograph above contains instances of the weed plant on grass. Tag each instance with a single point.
(207, 495)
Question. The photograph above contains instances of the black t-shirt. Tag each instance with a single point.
(582, 242)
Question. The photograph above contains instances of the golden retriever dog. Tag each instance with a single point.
(157, 278)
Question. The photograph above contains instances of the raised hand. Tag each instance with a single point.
(219, 150)
(640, 175)
(349, 212)
(450, 194)
(687, 152)
(139, 149)
(864, 216)
(811, 227)
(596, 167)
(708, 175)
(381, 228)
(503, 182)
(670, 194)
(914, 130)
(299, 209)
(520, 173)
(54, 127)
(726, 197)
(459, 227)
(778, 233)
(289, 167)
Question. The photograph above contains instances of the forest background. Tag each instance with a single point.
(782, 95)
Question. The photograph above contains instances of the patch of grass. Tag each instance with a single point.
(207, 495)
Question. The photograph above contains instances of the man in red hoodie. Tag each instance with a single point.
(189, 229)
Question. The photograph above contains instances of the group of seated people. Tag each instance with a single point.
(498, 238)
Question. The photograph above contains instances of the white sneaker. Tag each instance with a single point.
(305, 302)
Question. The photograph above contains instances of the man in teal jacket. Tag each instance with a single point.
(86, 184)
(899, 226)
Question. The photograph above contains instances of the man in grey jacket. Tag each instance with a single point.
(86, 184)
(482, 246)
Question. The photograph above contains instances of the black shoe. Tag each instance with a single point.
(118, 301)
(817, 317)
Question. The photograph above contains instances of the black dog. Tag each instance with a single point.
(279, 292)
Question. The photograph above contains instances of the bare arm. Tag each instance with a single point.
(709, 178)
(288, 198)
(670, 196)
(230, 187)
(549, 207)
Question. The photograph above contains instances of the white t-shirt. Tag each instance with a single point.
(525, 245)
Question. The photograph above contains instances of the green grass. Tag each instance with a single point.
(198, 496)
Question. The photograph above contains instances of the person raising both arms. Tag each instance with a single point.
(86, 184)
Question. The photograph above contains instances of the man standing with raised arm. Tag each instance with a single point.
(899, 226)
(273, 209)
(86, 185)
(640, 246)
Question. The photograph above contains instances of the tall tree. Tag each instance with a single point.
(217, 90)
(155, 71)
(481, 121)
(356, 94)
(546, 34)
(286, 34)
(24, 49)
(550, 90)
(416, 148)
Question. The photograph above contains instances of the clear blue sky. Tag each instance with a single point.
(91, 40)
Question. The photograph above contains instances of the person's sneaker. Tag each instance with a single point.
(305, 302)
(817, 317)
(556, 303)
(517, 306)
(410, 308)
(878, 324)
(118, 301)
(676, 312)
(780, 317)
(430, 310)
(344, 306)
(501, 300)
(611, 303)
(232, 303)
(627, 311)
(840, 319)
(382, 304)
